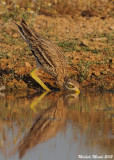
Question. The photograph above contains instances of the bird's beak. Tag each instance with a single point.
(77, 91)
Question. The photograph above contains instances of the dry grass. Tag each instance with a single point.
(74, 8)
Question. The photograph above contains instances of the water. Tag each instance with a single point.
(56, 126)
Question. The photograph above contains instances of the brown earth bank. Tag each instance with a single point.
(86, 42)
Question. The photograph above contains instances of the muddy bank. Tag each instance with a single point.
(87, 44)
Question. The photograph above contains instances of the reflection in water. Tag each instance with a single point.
(46, 126)
(56, 126)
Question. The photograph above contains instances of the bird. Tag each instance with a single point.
(49, 57)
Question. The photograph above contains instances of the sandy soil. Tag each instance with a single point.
(87, 44)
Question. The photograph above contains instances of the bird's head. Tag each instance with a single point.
(72, 85)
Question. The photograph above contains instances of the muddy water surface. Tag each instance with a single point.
(56, 126)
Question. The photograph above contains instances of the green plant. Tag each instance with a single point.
(68, 46)
(83, 67)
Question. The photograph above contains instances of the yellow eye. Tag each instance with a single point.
(70, 86)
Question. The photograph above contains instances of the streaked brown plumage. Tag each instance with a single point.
(47, 124)
(49, 57)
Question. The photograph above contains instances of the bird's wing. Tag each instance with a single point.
(46, 52)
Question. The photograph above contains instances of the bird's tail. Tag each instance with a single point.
(24, 30)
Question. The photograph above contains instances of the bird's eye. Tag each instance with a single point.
(70, 86)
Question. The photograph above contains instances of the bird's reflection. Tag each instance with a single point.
(47, 123)
(91, 120)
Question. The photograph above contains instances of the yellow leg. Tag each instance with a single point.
(35, 77)
(37, 100)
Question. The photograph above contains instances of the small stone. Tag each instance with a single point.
(112, 66)
(107, 69)
(100, 39)
(104, 72)
(85, 43)
(111, 27)
(97, 73)
(27, 64)
(15, 35)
